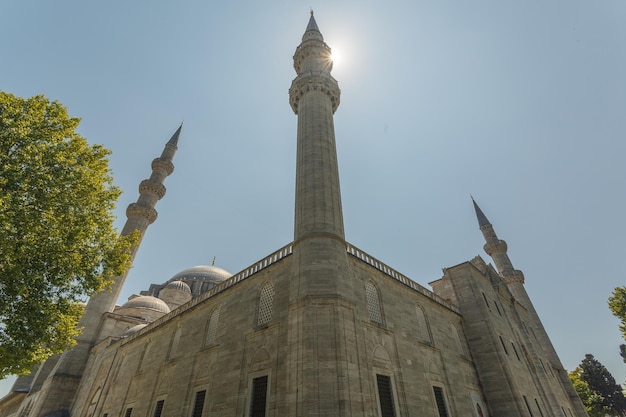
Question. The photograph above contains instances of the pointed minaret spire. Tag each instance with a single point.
(497, 249)
(482, 219)
(174, 139)
(312, 24)
(60, 387)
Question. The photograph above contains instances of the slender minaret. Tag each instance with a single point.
(537, 341)
(314, 97)
(321, 287)
(58, 390)
(496, 249)
(318, 231)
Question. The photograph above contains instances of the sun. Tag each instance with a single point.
(335, 56)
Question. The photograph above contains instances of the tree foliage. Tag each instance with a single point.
(605, 392)
(57, 240)
(617, 305)
(591, 399)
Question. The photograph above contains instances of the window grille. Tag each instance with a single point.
(198, 404)
(212, 330)
(385, 396)
(266, 304)
(159, 408)
(373, 303)
(258, 400)
(441, 401)
(422, 325)
(129, 411)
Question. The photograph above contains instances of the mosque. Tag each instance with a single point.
(316, 328)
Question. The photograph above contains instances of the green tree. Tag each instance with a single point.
(57, 240)
(591, 400)
(617, 305)
(602, 383)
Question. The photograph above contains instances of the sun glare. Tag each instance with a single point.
(336, 56)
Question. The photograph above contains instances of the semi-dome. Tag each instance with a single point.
(147, 301)
(134, 329)
(178, 285)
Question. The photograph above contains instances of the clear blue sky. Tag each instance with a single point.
(521, 104)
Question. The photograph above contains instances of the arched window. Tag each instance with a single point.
(373, 303)
(175, 343)
(266, 304)
(422, 325)
(212, 327)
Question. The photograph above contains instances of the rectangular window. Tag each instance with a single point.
(528, 406)
(486, 302)
(198, 404)
(385, 395)
(538, 408)
(497, 308)
(258, 401)
(159, 408)
(515, 350)
(503, 345)
(129, 411)
(441, 401)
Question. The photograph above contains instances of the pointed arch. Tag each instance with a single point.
(374, 308)
(423, 327)
(175, 342)
(457, 339)
(211, 332)
(266, 304)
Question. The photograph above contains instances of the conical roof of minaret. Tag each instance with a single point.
(174, 139)
(482, 219)
(312, 24)
(312, 31)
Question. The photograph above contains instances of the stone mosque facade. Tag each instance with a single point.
(316, 328)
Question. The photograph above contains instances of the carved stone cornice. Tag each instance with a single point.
(135, 210)
(153, 187)
(314, 82)
(495, 247)
(312, 49)
(516, 276)
(163, 165)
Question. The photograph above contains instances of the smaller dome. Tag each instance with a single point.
(147, 301)
(178, 285)
(133, 329)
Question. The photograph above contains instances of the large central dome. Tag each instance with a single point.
(201, 278)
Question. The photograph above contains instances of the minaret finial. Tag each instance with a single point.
(311, 11)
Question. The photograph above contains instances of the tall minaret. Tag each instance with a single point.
(321, 286)
(314, 97)
(318, 232)
(496, 249)
(59, 388)
(537, 341)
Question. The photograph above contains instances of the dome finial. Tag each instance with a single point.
(213, 263)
